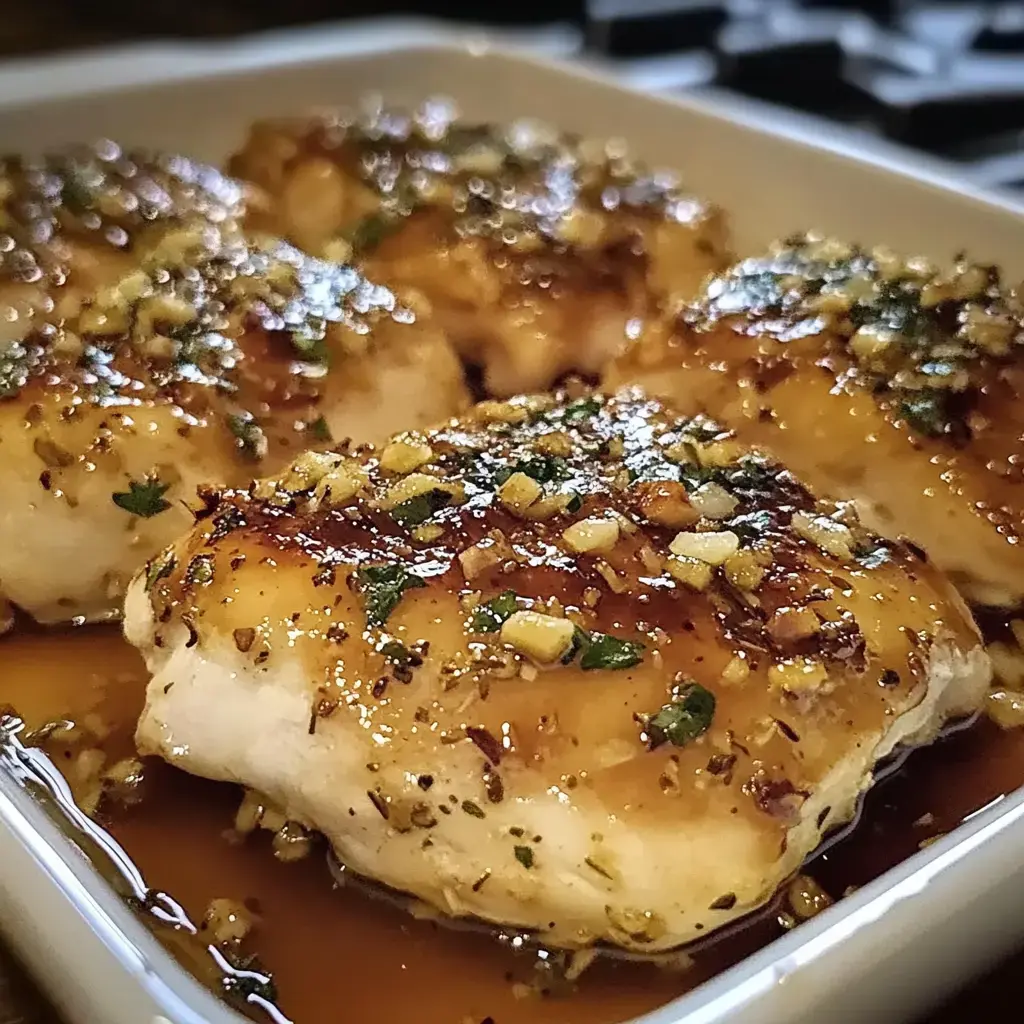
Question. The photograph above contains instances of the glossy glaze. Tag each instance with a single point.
(147, 342)
(495, 780)
(888, 381)
(534, 248)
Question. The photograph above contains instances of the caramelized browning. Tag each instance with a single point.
(488, 670)
(149, 345)
(876, 379)
(534, 249)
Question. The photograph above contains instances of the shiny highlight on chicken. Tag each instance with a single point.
(878, 379)
(149, 345)
(538, 252)
(571, 664)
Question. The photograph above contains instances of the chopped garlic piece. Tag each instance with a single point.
(544, 638)
(691, 571)
(500, 412)
(832, 537)
(415, 484)
(718, 453)
(308, 470)
(736, 671)
(404, 454)
(713, 501)
(519, 491)
(713, 547)
(788, 624)
(593, 534)
(798, 675)
(341, 484)
(742, 570)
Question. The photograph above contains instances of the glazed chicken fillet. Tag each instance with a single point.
(569, 664)
(875, 379)
(149, 345)
(534, 250)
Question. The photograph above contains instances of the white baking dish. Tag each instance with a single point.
(886, 952)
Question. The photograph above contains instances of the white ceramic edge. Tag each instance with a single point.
(851, 959)
(93, 955)
(112, 68)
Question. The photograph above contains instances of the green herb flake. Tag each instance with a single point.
(319, 430)
(544, 469)
(687, 717)
(419, 509)
(581, 409)
(524, 855)
(472, 809)
(159, 568)
(251, 439)
(145, 499)
(491, 615)
(603, 651)
(200, 570)
(382, 587)
(580, 641)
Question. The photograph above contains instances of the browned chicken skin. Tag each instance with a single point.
(534, 250)
(574, 665)
(148, 344)
(875, 379)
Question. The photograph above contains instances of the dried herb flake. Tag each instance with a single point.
(382, 587)
(145, 499)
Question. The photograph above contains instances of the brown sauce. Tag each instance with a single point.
(329, 948)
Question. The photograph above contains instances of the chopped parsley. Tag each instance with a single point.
(489, 616)
(544, 469)
(603, 651)
(419, 509)
(581, 409)
(382, 587)
(200, 570)
(251, 439)
(472, 809)
(159, 568)
(319, 430)
(524, 854)
(687, 717)
(145, 499)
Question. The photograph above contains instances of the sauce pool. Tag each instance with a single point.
(330, 948)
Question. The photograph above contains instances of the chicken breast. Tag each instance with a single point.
(875, 379)
(571, 665)
(148, 345)
(534, 249)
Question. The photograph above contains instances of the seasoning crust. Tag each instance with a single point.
(570, 663)
(885, 380)
(535, 249)
(149, 344)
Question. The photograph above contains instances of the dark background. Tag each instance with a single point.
(947, 78)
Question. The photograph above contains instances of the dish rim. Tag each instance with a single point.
(940, 872)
